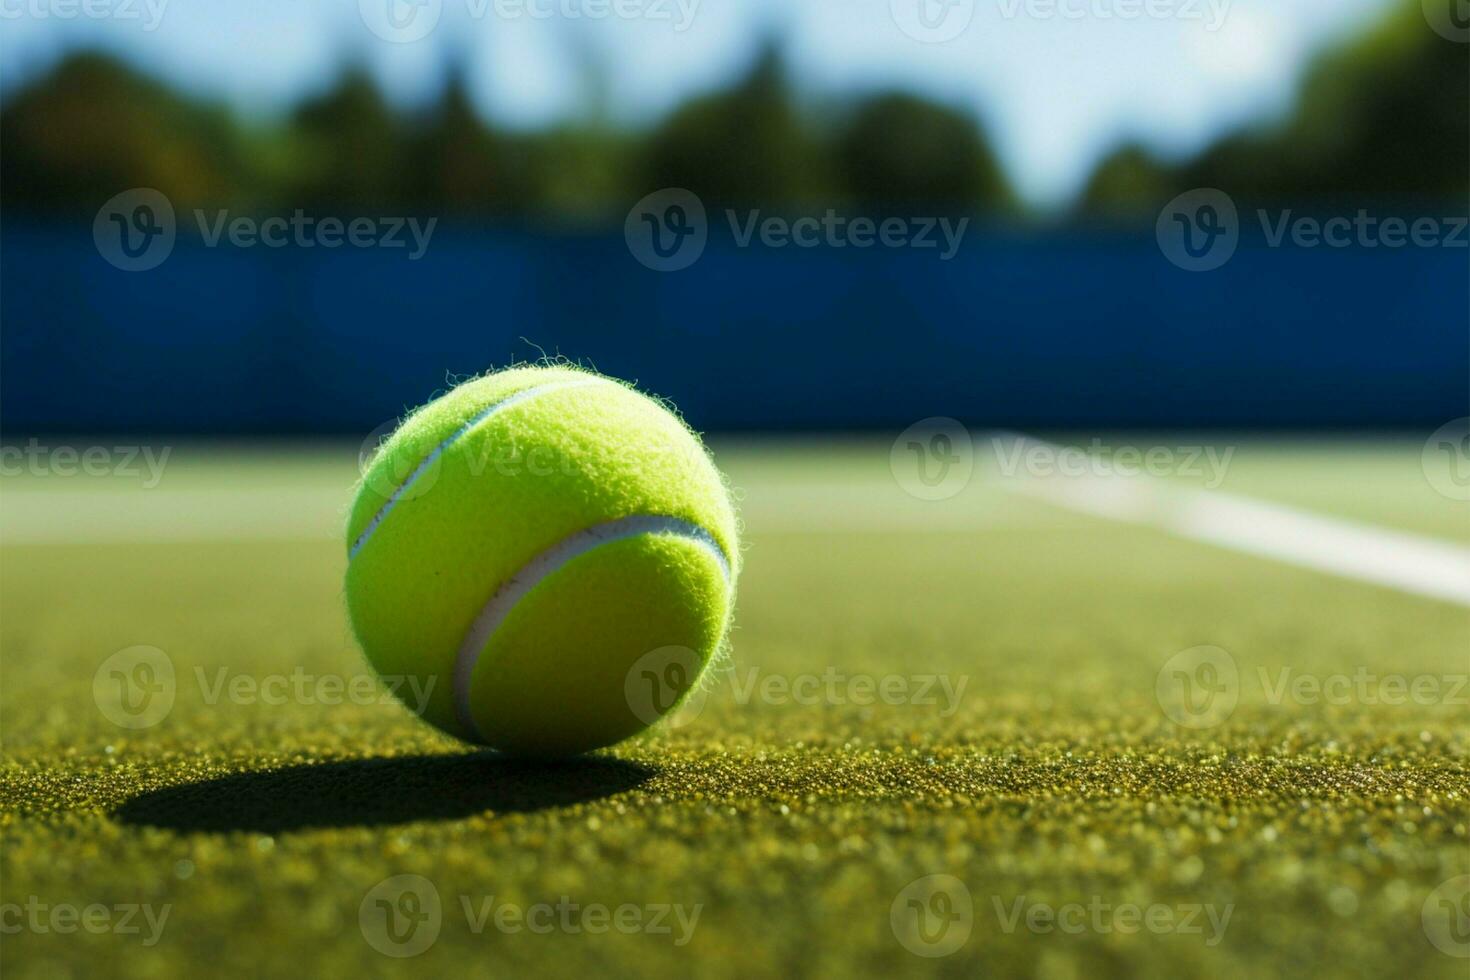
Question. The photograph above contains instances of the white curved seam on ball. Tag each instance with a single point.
(464, 430)
(542, 567)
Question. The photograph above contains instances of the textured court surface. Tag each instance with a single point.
(980, 688)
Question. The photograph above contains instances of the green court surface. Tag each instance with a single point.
(948, 727)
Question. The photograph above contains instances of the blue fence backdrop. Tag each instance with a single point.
(1058, 329)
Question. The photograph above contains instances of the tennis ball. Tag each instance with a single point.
(530, 550)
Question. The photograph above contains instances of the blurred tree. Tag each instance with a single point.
(901, 152)
(1131, 179)
(457, 164)
(582, 171)
(94, 127)
(1383, 117)
(352, 149)
(744, 147)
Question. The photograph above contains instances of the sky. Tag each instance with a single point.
(1057, 84)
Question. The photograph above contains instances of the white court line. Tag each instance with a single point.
(1403, 561)
(1419, 565)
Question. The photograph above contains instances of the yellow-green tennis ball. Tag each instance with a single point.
(543, 560)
